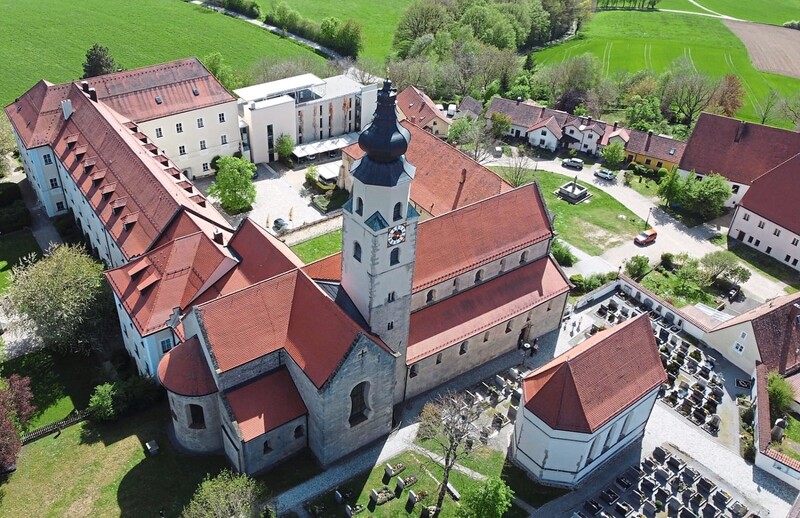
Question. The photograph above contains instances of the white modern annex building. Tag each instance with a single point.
(588, 404)
(306, 108)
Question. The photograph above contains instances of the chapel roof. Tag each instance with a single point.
(184, 370)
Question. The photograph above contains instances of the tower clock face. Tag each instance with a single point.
(397, 235)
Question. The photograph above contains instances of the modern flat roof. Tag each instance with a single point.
(279, 87)
(338, 86)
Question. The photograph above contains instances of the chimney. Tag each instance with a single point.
(93, 94)
(252, 105)
(740, 131)
(463, 176)
(218, 236)
(647, 142)
(616, 123)
(589, 121)
(414, 119)
(85, 86)
(542, 115)
(66, 107)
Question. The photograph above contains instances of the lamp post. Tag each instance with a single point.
(646, 221)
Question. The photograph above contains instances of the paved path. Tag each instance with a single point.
(43, 230)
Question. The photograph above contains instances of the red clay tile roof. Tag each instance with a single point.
(584, 388)
(439, 185)
(764, 421)
(187, 222)
(326, 269)
(414, 103)
(266, 403)
(37, 114)
(184, 370)
(620, 132)
(292, 314)
(520, 113)
(551, 124)
(713, 148)
(762, 197)
(471, 236)
(133, 93)
(655, 146)
(168, 277)
(472, 311)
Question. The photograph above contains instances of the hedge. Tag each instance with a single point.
(14, 217)
(9, 192)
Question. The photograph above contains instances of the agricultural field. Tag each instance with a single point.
(49, 38)
(680, 5)
(378, 19)
(771, 49)
(774, 12)
(631, 41)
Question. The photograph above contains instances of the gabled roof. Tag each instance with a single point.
(739, 151)
(520, 113)
(584, 388)
(764, 423)
(623, 133)
(470, 105)
(655, 146)
(549, 123)
(775, 195)
(133, 93)
(472, 311)
(418, 107)
(474, 235)
(184, 370)
(170, 276)
(37, 114)
(285, 312)
(265, 403)
(445, 177)
(776, 331)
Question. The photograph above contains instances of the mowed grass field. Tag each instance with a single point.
(635, 40)
(378, 19)
(48, 39)
(774, 12)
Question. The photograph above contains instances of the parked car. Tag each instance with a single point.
(605, 174)
(576, 163)
(733, 293)
(646, 237)
(280, 224)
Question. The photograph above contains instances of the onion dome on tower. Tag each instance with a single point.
(384, 143)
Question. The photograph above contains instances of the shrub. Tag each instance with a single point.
(781, 395)
(696, 355)
(572, 152)
(662, 173)
(140, 392)
(562, 254)
(792, 24)
(110, 400)
(104, 404)
(214, 163)
(247, 8)
(668, 260)
(590, 283)
(9, 192)
(748, 415)
(311, 177)
(627, 176)
(749, 451)
(637, 266)
(14, 217)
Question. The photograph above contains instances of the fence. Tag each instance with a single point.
(75, 417)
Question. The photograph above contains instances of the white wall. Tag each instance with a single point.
(724, 341)
(778, 470)
(536, 137)
(40, 175)
(745, 227)
(146, 352)
(280, 113)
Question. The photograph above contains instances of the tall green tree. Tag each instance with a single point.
(63, 296)
(613, 154)
(98, 62)
(671, 188)
(707, 197)
(234, 184)
(284, 146)
(489, 499)
(501, 124)
(349, 40)
(215, 64)
(637, 266)
(225, 496)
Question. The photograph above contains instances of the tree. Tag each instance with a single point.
(447, 422)
(226, 495)
(284, 146)
(421, 17)
(349, 41)
(707, 198)
(234, 184)
(670, 188)
(644, 113)
(613, 154)
(637, 266)
(518, 170)
(472, 134)
(768, 106)
(215, 64)
(16, 411)
(718, 264)
(781, 395)
(501, 124)
(790, 108)
(489, 499)
(686, 91)
(63, 296)
(98, 62)
(729, 95)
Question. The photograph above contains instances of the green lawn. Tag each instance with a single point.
(645, 187)
(593, 226)
(635, 40)
(774, 12)
(319, 247)
(49, 38)
(680, 5)
(766, 265)
(12, 248)
(666, 286)
(378, 19)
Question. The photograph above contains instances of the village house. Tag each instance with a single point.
(414, 105)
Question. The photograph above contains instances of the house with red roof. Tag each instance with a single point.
(416, 106)
(767, 218)
(768, 435)
(586, 405)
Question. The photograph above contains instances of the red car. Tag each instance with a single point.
(646, 237)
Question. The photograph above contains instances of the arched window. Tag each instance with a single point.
(398, 211)
(414, 371)
(357, 251)
(523, 258)
(502, 265)
(455, 284)
(478, 276)
(267, 447)
(358, 403)
(299, 432)
(197, 418)
(359, 206)
(509, 326)
(394, 257)
(431, 296)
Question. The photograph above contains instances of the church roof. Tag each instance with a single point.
(184, 370)
(472, 311)
(265, 403)
(584, 388)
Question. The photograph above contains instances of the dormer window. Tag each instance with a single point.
(359, 206)
(158, 99)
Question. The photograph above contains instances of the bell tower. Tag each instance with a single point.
(379, 233)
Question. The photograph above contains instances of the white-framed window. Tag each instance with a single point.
(166, 345)
(390, 297)
(182, 150)
(776, 232)
(760, 224)
(53, 183)
(159, 133)
(203, 144)
(222, 117)
(746, 217)
(738, 347)
(223, 139)
(205, 166)
(179, 127)
(794, 242)
(59, 206)
(199, 122)
(48, 160)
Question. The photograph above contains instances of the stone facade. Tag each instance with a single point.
(275, 446)
(189, 433)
